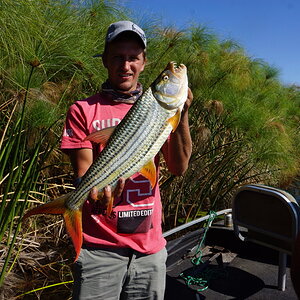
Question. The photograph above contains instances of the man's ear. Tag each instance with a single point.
(104, 60)
(145, 62)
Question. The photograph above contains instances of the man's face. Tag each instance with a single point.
(124, 61)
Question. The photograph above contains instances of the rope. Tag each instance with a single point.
(197, 260)
(201, 278)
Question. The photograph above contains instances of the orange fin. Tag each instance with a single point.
(149, 171)
(174, 121)
(110, 206)
(55, 207)
(73, 220)
(101, 136)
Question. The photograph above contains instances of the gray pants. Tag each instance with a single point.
(119, 274)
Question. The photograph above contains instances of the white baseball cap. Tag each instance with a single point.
(116, 28)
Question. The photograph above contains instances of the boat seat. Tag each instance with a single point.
(270, 217)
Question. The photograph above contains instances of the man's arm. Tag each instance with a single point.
(81, 160)
(179, 146)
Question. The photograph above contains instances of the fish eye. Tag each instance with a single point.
(165, 77)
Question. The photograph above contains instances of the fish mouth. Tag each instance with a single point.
(176, 70)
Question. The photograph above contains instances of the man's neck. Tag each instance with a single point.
(120, 95)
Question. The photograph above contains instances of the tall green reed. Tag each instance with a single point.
(18, 175)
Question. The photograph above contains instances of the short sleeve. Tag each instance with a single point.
(75, 129)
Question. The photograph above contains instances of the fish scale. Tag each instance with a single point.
(132, 146)
(147, 111)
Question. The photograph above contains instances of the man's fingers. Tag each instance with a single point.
(105, 196)
(188, 101)
(107, 192)
(120, 187)
(189, 98)
(94, 194)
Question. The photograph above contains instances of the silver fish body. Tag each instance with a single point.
(135, 141)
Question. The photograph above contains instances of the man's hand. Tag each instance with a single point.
(189, 100)
(81, 160)
(105, 195)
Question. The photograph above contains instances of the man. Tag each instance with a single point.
(123, 255)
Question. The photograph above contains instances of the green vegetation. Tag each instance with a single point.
(244, 125)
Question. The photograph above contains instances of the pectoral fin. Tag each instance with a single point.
(101, 136)
(110, 205)
(174, 121)
(149, 171)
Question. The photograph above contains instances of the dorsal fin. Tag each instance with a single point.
(101, 136)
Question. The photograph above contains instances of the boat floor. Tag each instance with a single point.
(252, 274)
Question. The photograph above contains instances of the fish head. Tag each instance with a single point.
(170, 88)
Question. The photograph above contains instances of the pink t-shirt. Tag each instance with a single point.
(136, 218)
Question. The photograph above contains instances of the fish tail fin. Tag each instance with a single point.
(55, 207)
(73, 218)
